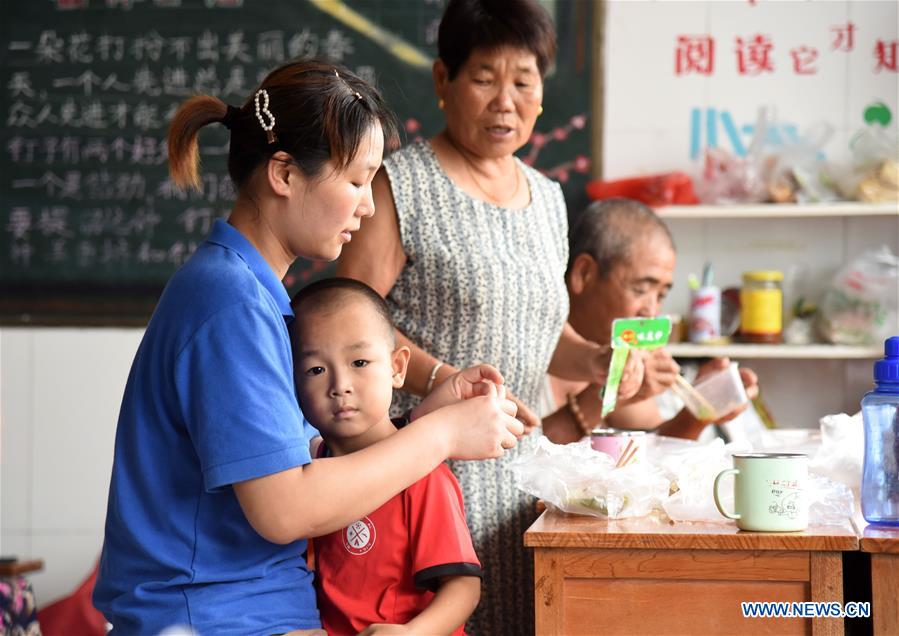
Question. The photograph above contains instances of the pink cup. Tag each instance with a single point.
(613, 442)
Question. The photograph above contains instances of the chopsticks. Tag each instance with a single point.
(681, 384)
(628, 455)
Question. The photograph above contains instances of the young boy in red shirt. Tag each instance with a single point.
(409, 566)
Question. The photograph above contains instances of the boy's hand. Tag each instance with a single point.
(384, 628)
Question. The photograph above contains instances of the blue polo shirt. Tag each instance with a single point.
(210, 401)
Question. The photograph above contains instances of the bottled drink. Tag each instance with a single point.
(880, 410)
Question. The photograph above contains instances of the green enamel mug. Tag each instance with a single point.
(769, 492)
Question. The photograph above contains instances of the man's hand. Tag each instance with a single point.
(632, 378)
(659, 373)
(748, 376)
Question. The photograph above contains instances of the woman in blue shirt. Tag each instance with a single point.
(213, 490)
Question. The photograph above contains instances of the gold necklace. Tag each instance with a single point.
(468, 167)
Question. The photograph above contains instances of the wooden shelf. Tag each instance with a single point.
(779, 352)
(774, 210)
(17, 568)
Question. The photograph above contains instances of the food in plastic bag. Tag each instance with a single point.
(727, 178)
(577, 479)
(872, 173)
(779, 166)
(796, 171)
(881, 187)
(860, 306)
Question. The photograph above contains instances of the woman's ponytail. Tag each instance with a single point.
(184, 152)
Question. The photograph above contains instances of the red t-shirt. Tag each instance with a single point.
(385, 567)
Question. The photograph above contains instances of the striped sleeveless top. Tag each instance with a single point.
(483, 283)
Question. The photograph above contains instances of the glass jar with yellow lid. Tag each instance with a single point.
(761, 306)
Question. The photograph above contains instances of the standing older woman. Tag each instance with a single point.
(470, 248)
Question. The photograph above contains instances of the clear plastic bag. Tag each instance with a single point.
(860, 305)
(872, 173)
(577, 479)
(692, 468)
(830, 502)
(842, 449)
(797, 171)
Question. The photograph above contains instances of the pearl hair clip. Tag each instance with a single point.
(263, 109)
(356, 93)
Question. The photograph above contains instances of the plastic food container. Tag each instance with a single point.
(722, 391)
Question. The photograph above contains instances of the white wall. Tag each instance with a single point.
(649, 105)
(648, 129)
(60, 391)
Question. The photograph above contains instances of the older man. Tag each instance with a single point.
(621, 264)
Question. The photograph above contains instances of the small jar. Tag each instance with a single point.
(761, 307)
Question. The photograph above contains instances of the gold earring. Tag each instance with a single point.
(540, 110)
(441, 103)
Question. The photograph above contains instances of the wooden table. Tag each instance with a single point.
(645, 576)
(883, 544)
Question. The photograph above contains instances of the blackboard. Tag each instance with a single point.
(90, 226)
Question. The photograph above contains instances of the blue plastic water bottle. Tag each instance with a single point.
(880, 410)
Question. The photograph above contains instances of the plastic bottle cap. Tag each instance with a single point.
(887, 370)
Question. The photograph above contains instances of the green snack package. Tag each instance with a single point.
(627, 334)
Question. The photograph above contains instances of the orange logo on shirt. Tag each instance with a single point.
(359, 536)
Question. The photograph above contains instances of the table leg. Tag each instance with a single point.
(548, 602)
(826, 574)
(884, 598)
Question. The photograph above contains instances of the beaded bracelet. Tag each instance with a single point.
(576, 413)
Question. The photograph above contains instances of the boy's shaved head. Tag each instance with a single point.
(331, 293)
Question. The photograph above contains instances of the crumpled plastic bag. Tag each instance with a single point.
(829, 502)
(860, 305)
(780, 165)
(577, 479)
(797, 171)
(842, 449)
(872, 173)
(692, 468)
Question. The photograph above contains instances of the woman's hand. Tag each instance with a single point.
(481, 427)
(476, 417)
(462, 385)
(525, 415)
